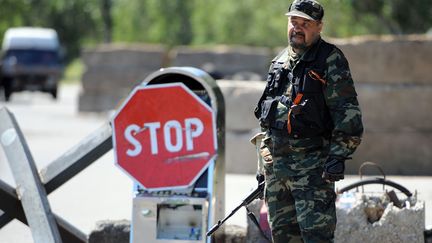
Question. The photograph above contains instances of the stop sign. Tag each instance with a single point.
(164, 136)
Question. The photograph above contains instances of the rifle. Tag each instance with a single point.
(257, 193)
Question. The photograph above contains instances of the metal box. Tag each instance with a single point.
(169, 219)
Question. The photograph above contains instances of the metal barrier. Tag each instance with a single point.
(28, 202)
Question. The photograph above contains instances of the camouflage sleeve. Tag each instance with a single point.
(343, 105)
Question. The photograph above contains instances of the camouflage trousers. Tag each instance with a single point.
(301, 205)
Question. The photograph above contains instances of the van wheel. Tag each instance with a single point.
(7, 94)
(53, 92)
(7, 86)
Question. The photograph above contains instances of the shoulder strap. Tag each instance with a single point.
(279, 59)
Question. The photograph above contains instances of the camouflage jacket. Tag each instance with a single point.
(329, 98)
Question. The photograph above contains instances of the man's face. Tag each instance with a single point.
(303, 32)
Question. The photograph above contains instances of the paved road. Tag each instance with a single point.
(102, 191)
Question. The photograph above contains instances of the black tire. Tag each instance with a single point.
(53, 92)
(7, 86)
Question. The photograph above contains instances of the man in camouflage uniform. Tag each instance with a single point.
(311, 116)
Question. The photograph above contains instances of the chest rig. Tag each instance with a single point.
(293, 102)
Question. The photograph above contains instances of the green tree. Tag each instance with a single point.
(10, 13)
(154, 21)
(184, 22)
(395, 16)
(258, 22)
(106, 6)
(253, 22)
(75, 21)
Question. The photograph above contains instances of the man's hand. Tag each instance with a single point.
(334, 169)
(260, 178)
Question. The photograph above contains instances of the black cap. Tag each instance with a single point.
(308, 9)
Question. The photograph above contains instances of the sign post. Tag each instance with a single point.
(167, 138)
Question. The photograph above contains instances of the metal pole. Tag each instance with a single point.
(29, 187)
(77, 158)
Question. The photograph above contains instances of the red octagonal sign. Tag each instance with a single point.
(164, 136)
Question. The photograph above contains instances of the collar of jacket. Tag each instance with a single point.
(312, 52)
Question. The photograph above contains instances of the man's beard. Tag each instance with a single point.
(302, 46)
(296, 45)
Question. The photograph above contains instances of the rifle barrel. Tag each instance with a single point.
(252, 196)
(214, 228)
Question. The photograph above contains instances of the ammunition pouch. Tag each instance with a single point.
(309, 119)
(268, 111)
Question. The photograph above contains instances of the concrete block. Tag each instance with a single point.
(108, 231)
(395, 225)
(110, 80)
(240, 154)
(398, 153)
(396, 107)
(241, 98)
(233, 234)
(100, 102)
(389, 59)
(121, 55)
(112, 71)
(225, 61)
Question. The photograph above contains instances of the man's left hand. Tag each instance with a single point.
(334, 169)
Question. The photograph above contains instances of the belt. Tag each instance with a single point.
(284, 133)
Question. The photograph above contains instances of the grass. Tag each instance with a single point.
(73, 72)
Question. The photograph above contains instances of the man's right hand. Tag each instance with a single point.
(334, 169)
(260, 178)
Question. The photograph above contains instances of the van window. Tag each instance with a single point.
(38, 57)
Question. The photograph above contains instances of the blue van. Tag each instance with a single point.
(30, 60)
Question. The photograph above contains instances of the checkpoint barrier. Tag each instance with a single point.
(29, 204)
(169, 136)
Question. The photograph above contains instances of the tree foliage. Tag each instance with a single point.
(261, 22)
(74, 20)
(395, 16)
(203, 22)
